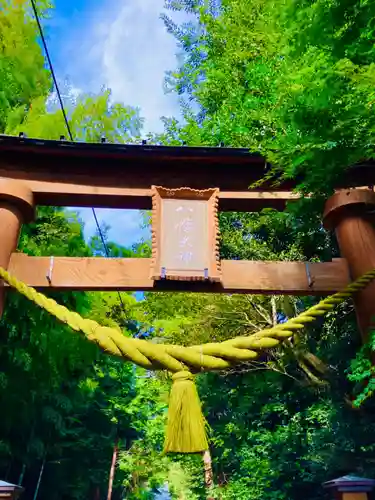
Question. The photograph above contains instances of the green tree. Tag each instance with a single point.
(90, 119)
(291, 81)
(64, 401)
(23, 76)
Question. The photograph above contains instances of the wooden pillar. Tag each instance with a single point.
(350, 488)
(351, 214)
(16, 207)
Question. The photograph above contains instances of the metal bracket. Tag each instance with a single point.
(310, 281)
(49, 275)
(163, 273)
(205, 273)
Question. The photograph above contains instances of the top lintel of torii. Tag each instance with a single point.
(63, 173)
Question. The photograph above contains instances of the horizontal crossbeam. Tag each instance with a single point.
(62, 173)
(86, 195)
(252, 277)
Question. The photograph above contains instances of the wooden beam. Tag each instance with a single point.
(101, 196)
(253, 277)
(60, 194)
(83, 195)
(254, 201)
(141, 166)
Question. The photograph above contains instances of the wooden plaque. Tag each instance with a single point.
(185, 234)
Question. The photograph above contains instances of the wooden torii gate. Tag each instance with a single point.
(184, 187)
(61, 173)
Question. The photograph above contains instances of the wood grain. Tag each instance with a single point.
(104, 196)
(351, 214)
(141, 166)
(203, 235)
(16, 206)
(96, 273)
(348, 202)
(10, 225)
(356, 238)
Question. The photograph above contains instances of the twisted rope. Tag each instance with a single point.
(211, 356)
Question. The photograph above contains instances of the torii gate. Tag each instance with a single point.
(184, 187)
(185, 248)
(61, 173)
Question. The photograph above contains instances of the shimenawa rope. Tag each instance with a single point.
(186, 424)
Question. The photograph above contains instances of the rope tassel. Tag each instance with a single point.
(186, 430)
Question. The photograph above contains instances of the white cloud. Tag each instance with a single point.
(136, 53)
(125, 47)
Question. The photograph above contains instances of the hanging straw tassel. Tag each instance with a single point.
(186, 431)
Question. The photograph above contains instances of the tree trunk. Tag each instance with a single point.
(39, 479)
(274, 310)
(112, 470)
(208, 474)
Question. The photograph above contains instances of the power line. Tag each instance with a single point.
(105, 246)
(51, 68)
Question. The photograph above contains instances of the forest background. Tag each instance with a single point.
(292, 80)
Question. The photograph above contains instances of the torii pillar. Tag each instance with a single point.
(16, 207)
(351, 214)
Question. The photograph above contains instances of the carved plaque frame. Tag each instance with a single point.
(205, 204)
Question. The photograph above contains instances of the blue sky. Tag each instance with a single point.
(122, 45)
